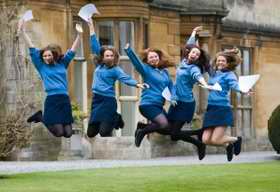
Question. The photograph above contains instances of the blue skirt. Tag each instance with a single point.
(151, 111)
(183, 111)
(57, 110)
(103, 109)
(218, 116)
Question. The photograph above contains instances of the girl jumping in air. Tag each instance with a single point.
(52, 67)
(104, 117)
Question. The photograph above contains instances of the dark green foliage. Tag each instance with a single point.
(274, 129)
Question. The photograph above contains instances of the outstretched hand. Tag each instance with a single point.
(198, 28)
(127, 46)
(79, 28)
(173, 103)
(90, 22)
(21, 26)
(249, 93)
(142, 85)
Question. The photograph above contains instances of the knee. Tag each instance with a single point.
(59, 133)
(163, 125)
(105, 133)
(215, 140)
(92, 130)
(206, 140)
(68, 135)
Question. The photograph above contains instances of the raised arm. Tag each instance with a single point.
(135, 60)
(21, 31)
(94, 43)
(192, 40)
(78, 38)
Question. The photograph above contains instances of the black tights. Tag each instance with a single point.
(60, 130)
(159, 124)
(184, 135)
(103, 128)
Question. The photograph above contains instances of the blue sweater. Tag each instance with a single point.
(104, 78)
(157, 79)
(228, 81)
(54, 76)
(186, 76)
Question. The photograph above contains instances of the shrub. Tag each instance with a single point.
(274, 129)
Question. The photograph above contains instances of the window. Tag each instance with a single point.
(243, 105)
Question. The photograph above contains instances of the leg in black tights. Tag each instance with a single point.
(106, 129)
(93, 129)
(178, 134)
(56, 130)
(159, 124)
(67, 130)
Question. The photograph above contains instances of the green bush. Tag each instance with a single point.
(274, 129)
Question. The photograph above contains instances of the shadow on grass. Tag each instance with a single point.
(4, 177)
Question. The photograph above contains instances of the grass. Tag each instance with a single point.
(257, 177)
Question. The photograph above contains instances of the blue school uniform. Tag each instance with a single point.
(219, 111)
(57, 108)
(152, 101)
(104, 104)
(186, 76)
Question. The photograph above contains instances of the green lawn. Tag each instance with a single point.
(258, 177)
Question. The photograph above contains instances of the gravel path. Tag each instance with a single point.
(41, 166)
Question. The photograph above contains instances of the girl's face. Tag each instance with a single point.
(153, 59)
(194, 55)
(108, 57)
(48, 57)
(221, 62)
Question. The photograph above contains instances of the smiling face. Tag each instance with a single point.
(108, 57)
(48, 57)
(221, 62)
(194, 55)
(153, 58)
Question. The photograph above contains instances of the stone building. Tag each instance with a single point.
(250, 25)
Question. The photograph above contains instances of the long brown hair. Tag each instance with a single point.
(203, 62)
(232, 56)
(164, 59)
(100, 57)
(55, 49)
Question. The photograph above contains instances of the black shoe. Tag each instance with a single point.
(36, 117)
(201, 151)
(237, 146)
(139, 136)
(140, 125)
(229, 152)
(121, 122)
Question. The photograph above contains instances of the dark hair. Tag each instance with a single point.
(55, 49)
(203, 62)
(232, 57)
(164, 58)
(100, 58)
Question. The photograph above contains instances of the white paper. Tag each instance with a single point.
(215, 87)
(27, 16)
(87, 11)
(247, 82)
(79, 28)
(166, 94)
